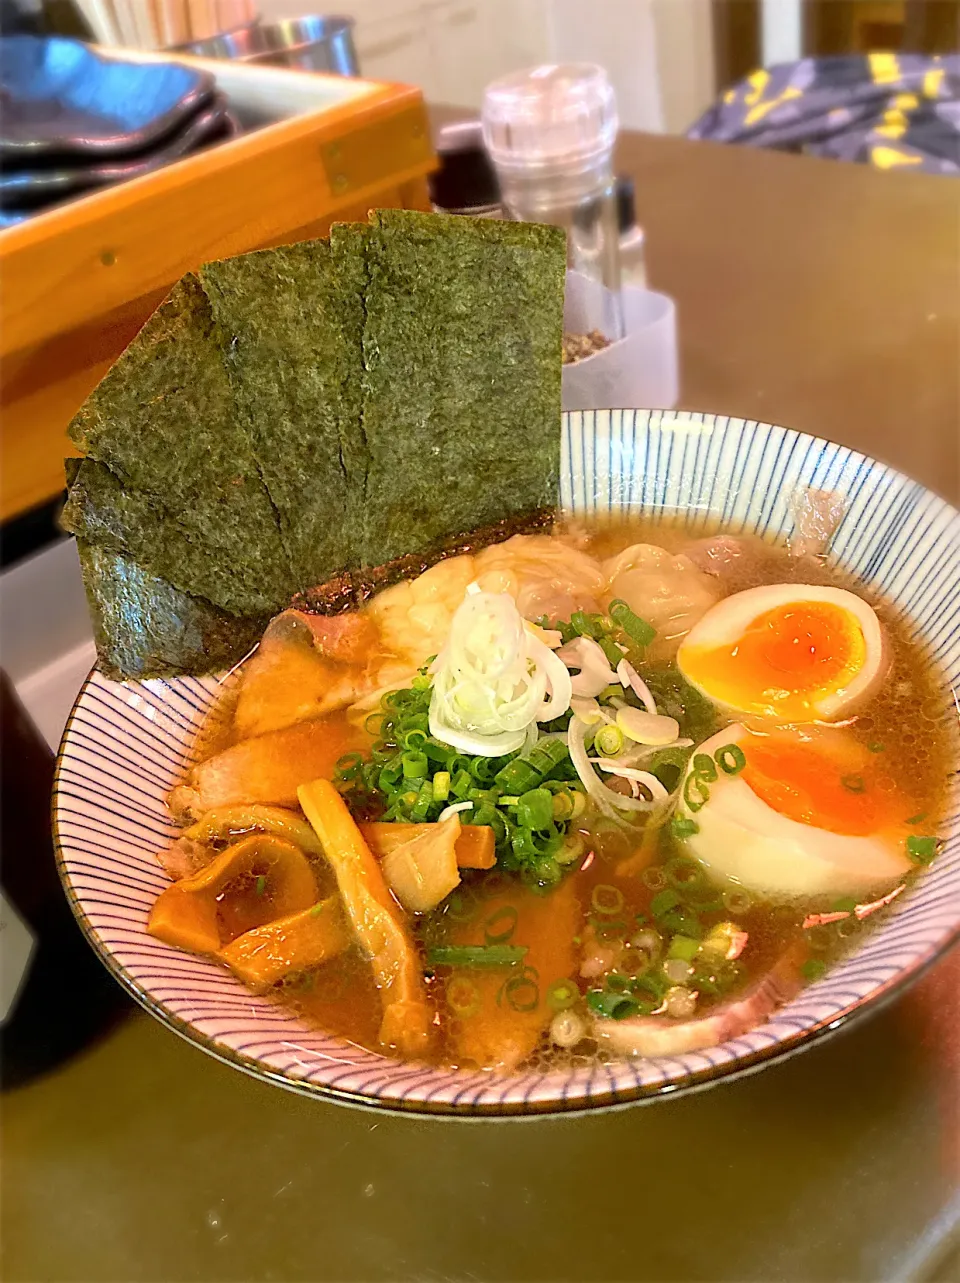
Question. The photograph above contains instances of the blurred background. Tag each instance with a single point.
(667, 59)
(817, 295)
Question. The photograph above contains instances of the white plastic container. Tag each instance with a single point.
(641, 370)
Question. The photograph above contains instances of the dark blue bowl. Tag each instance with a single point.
(62, 99)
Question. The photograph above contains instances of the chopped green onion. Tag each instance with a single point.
(608, 741)
(846, 904)
(612, 651)
(703, 793)
(637, 629)
(730, 758)
(414, 765)
(483, 769)
(875, 748)
(462, 995)
(737, 901)
(571, 850)
(654, 878)
(682, 828)
(616, 983)
(317, 910)
(500, 926)
(614, 1006)
(607, 931)
(915, 819)
(653, 982)
(546, 872)
(684, 874)
(585, 625)
(819, 937)
(703, 767)
(460, 785)
(921, 849)
(607, 899)
(683, 921)
(461, 906)
(529, 770)
(562, 994)
(535, 809)
(421, 807)
(813, 969)
(476, 955)
(684, 947)
(664, 901)
(261, 884)
(441, 786)
(562, 805)
(523, 984)
(853, 783)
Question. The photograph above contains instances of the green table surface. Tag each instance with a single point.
(815, 294)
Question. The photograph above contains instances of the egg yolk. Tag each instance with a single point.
(784, 661)
(852, 794)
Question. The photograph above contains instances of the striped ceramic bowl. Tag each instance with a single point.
(127, 744)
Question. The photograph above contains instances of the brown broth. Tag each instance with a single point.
(909, 721)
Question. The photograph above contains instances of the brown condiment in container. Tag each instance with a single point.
(466, 182)
(578, 346)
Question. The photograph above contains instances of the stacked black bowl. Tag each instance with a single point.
(73, 121)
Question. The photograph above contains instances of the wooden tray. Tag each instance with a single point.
(80, 280)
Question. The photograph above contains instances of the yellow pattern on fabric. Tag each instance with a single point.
(891, 158)
(764, 108)
(894, 124)
(884, 68)
(730, 96)
(758, 81)
(932, 81)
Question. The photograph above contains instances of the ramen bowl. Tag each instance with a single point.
(127, 744)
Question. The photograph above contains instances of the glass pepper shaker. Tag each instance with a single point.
(550, 132)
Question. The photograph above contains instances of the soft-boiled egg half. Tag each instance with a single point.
(799, 811)
(792, 652)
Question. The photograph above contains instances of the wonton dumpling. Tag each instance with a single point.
(669, 592)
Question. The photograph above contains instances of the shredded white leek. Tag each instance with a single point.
(453, 809)
(647, 728)
(649, 781)
(595, 672)
(494, 679)
(607, 799)
(629, 676)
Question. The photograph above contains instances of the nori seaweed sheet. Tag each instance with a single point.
(462, 369)
(348, 242)
(163, 422)
(291, 337)
(181, 545)
(144, 627)
(331, 414)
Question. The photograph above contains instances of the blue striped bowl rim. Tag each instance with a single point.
(126, 744)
